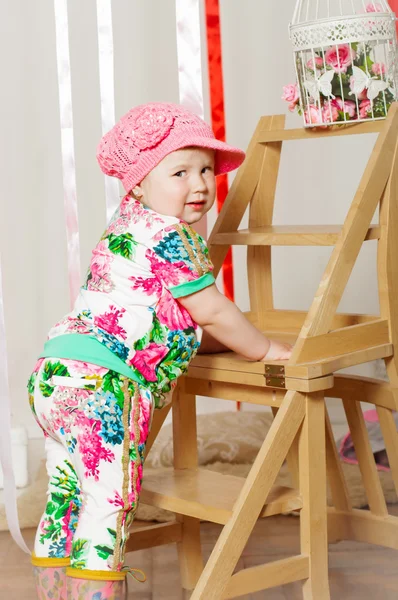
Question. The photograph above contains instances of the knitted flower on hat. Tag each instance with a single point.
(150, 127)
(148, 133)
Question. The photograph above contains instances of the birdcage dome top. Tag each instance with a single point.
(320, 22)
(345, 59)
(307, 11)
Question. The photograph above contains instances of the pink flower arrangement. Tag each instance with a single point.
(317, 61)
(364, 109)
(313, 115)
(378, 69)
(347, 106)
(340, 83)
(291, 95)
(330, 112)
(340, 57)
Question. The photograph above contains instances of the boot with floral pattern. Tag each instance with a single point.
(89, 589)
(50, 582)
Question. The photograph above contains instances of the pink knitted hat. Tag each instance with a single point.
(147, 133)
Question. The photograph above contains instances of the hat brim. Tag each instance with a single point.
(228, 158)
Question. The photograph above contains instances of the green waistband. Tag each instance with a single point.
(77, 346)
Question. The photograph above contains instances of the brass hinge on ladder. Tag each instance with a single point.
(275, 376)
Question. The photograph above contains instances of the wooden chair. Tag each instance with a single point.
(325, 342)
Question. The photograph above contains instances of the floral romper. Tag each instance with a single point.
(96, 420)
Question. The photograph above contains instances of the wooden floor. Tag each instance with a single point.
(357, 571)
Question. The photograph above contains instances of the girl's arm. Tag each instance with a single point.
(210, 345)
(222, 320)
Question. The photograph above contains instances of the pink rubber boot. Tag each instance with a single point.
(91, 589)
(50, 578)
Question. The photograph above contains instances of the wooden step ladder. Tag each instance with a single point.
(325, 342)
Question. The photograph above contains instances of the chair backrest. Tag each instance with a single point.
(322, 333)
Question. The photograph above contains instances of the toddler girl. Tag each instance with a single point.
(132, 332)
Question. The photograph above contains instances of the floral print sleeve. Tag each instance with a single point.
(180, 258)
(142, 265)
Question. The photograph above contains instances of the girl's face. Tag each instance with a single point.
(182, 185)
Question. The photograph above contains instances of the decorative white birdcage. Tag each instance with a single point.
(346, 61)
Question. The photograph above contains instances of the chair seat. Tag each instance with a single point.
(229, 366)
(208, 495)
(287, 235)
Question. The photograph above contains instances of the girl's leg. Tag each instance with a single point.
(108, 460)
(54, 536)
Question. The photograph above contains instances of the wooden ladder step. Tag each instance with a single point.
(287, 235)
(208, 495)
(311, 370)
(281, 135)
(263, 577)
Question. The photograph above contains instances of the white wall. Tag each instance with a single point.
(316, 183)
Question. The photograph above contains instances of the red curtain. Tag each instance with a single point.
(214, 56)
(394, 6)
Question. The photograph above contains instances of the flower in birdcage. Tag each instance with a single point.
(313, 115)
(345, 60)
(291, 95)
(330, 112)
(378, 68)
(365, 108)
(346, 106)
(327, 94)
(340, 57)
(317, 61)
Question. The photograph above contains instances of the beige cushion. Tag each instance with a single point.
(228, 437)
(228, 442)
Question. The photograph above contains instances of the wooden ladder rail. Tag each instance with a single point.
(325, 342)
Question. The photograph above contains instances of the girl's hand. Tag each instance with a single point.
(278, 351)
(221, 319)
